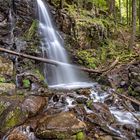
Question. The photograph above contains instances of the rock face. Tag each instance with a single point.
(6, 66)
(6, 72)
(7, 88)
(127, 78)
(60, 126)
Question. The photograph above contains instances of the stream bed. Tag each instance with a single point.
(92, 112)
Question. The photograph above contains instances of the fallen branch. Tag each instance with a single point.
(49, 61)
(29, 56)
(127, 108)
(128, 98)
(111, 67)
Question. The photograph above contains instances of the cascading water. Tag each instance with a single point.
(64, 74)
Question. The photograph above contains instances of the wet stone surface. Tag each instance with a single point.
(59, 126)
(61, 116)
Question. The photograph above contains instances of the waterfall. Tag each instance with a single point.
(52, 48)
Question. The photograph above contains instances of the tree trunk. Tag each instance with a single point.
(139, 16)
(111, 6)
(61, 4)
(127, 12)
(134, 17)
(120, 10)
(130, 11)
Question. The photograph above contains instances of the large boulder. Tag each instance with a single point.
(60, 126)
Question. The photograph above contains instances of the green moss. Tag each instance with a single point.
(2, 80)
(120, 90)
(12, 118)
(80, 136)
(32, 30)
(3, 106)
(89, 103)
(26, 83)
(39, 75)
(87, 58)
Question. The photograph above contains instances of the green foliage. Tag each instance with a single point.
(103, 55)
(26, 83)
(100, 3)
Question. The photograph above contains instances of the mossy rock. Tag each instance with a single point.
(32, 30)
(14, 116)
(11, 114)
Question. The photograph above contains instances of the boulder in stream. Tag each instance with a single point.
(34, 104)
(60, 126)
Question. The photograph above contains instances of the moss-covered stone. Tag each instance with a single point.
(14, 116)
(11, 113)
(80, 136)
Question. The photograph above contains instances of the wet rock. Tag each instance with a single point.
(85, 92)
(81, 99)
(6, 66)
(60, 126)
(80, 111)
(103, 110)
(21, 133)
(96, 119)
(138, 132)
(17, 136)
(34, 104)
(129, 128)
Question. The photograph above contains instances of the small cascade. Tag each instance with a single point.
(11, 27)
(52, 48)
(116, 108)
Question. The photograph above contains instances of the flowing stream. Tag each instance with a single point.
(67, 77)
(64, 75)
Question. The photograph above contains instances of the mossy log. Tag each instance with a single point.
(49, 61)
